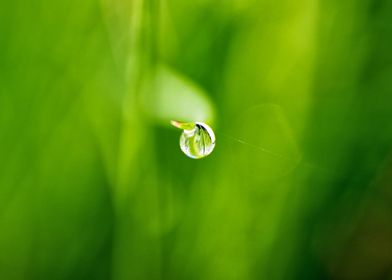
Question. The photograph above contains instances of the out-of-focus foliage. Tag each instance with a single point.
(93, 184)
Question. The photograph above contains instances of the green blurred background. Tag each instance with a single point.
(93, 184)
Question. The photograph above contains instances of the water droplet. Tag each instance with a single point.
(197, 139)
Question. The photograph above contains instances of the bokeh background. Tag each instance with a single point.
(93, 184)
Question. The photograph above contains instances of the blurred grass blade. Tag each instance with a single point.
(177, 98)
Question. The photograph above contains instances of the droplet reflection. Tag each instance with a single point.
(197, 139)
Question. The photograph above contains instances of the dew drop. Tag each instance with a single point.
(197, 139)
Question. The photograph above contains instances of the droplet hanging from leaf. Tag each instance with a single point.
(197, 139)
